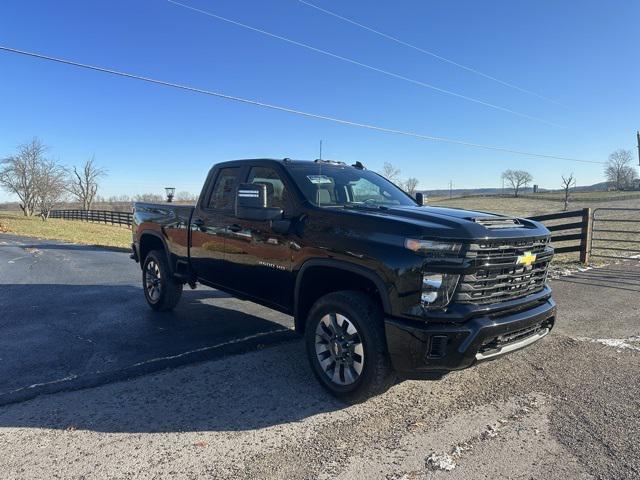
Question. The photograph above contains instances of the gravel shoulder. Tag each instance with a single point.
(561, 409)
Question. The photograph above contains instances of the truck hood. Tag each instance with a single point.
(460, 224)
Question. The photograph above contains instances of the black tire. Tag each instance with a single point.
(165, 294)
(366, 317)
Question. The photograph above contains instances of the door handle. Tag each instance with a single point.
(234, 228)
(281, 226)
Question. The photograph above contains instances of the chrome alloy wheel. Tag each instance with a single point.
(152, 281)
(339, 349)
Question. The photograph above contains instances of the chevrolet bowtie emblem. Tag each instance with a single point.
(526, 259)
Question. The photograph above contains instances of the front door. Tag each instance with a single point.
(258, 260)
(209, 226)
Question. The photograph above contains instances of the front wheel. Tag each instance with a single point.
(161, 291)
(346, 346)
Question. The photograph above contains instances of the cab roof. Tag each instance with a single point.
(290, 161)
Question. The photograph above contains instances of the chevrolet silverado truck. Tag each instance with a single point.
(381, 286)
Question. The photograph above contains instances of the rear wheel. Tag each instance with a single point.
(346, 346)
(161, 291)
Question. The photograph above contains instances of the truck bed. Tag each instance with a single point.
(167, 221)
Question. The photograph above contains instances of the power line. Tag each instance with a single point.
(432, 54)
(363, 65)
(285, 109)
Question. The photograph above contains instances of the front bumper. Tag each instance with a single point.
(431, 349)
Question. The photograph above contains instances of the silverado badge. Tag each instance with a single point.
(526, 259)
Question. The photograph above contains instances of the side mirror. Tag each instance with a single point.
(251, 203)
(420, 198)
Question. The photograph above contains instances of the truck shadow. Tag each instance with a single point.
(62, 338)
(239, 393)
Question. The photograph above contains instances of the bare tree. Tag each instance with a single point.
(19, 173)
(619, 171)
(83, 184)
(568, 182)
(51, 186)
(391, 173)
(517, 179)
(186, 197)
(411, 185)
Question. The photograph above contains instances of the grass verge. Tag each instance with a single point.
(65, 230)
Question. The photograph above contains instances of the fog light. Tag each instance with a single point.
(430, 286)
(437, 289)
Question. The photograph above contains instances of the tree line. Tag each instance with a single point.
(180, 197)
(619, 173)
(41, 183)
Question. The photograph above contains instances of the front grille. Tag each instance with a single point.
(498, 277)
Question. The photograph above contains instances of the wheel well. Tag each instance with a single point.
(318, 281)
(147, 244)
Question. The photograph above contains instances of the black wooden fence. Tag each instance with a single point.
(99, 216)
(580, 225)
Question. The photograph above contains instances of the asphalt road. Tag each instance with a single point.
(564, 408)
(73, 316)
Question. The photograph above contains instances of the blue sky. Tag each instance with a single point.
(582, 54)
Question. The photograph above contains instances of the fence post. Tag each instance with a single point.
(587, 233)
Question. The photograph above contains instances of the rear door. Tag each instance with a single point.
(258, 260)
(211, 219)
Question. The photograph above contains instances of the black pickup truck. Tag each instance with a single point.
(381, 286)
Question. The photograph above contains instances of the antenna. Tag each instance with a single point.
(319, 175)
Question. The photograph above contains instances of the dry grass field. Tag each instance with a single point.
(66, 230)
(540, 204)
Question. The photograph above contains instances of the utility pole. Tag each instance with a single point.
(638, 137)
(320, 150)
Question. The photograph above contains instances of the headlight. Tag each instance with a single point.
(437, 289)
(432, 248)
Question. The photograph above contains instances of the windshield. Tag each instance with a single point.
(339, 186)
